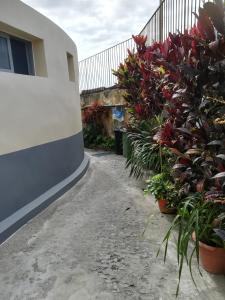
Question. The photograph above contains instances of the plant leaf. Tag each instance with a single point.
(215, 143)
(220, 233)
(179, 166)
(178, 153)
(222, 156)
(219, 175)
(193, 151)
(184, 130)
(216, 14)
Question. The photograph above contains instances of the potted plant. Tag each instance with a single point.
(212, 245)
(212, 258)
(204, 223)
(164, 191)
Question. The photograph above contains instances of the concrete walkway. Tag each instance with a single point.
(98, 242)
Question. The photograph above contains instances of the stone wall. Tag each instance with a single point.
(110, 97)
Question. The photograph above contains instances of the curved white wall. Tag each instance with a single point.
(34, 109)
(41, 143)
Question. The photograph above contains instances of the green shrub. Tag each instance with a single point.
(162, 188)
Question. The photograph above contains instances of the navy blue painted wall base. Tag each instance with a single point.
(33, 178)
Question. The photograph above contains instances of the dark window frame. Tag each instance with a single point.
(7, 37)
(29, 54)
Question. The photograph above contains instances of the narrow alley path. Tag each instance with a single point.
(98, 242)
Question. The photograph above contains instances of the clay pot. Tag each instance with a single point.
(212, 259)
(163, 207)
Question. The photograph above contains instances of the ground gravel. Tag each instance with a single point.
(98, 242)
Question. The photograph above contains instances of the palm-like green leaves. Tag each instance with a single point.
(146, 155)
(194, 216)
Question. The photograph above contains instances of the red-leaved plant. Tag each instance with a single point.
(183, 79)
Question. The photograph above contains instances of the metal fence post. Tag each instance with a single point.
(171, 15)
(161, 21)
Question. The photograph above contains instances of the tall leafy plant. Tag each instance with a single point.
(183, 80)
(195, 216)
(146, 155)
(194, 129)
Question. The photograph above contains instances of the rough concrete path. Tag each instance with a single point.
(97, 242)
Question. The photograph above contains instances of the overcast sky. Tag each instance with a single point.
(95, 25)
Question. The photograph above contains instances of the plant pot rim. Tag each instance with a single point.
(163, 207)
(206, 246)
(162, 199)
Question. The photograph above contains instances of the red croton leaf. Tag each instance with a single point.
(216, 14)
(205, 25)
(139, 109)
(167, 93)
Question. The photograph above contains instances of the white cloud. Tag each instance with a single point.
(97, 24)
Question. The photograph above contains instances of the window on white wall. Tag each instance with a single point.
(70, 63)
(16, 55)
(5, 54)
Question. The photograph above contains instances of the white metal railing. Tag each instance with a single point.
(170, 16)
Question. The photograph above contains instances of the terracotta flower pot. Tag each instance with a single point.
(163, 207)
(212, 259)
